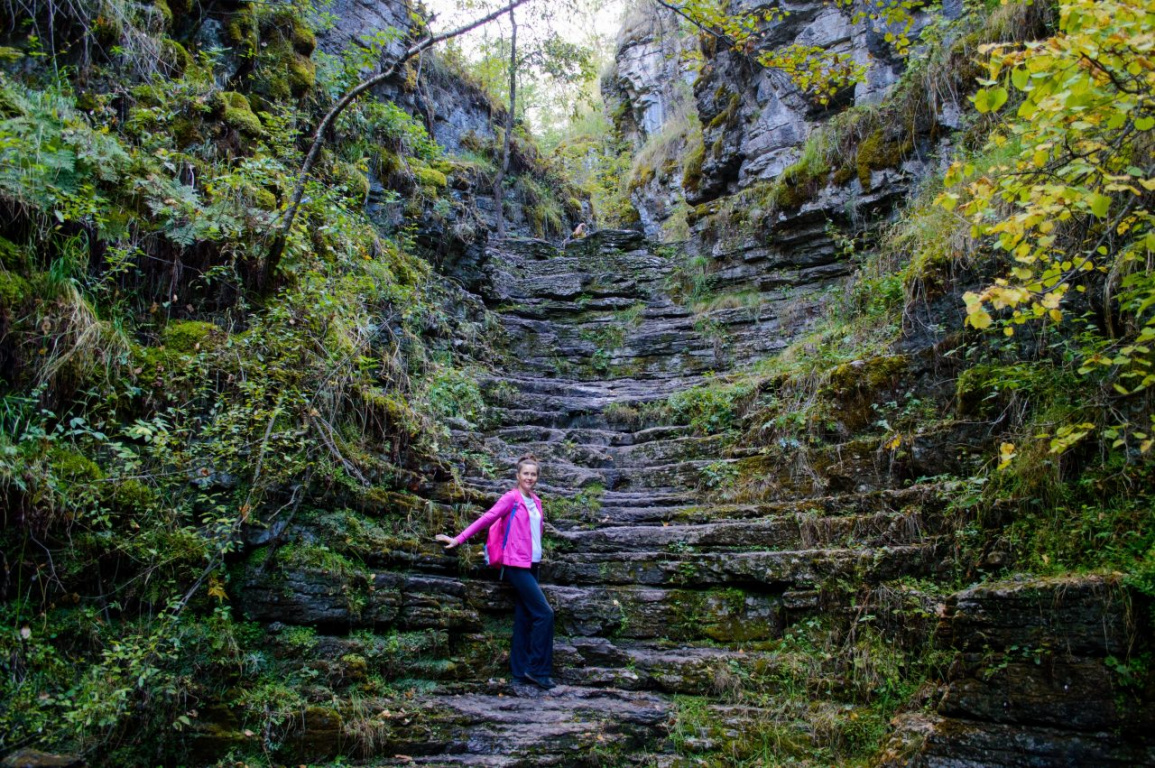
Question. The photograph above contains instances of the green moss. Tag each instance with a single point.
(188, 336)
(387, 162)
(284, 69)
(241, 31)
(237, 113)
(187, 131)
(867, 375)
(877, 152)
(302, 38)
(131, 494)
(727, 117)
(429, 178)
(174, 56)
(165, 12)
(73, 467)
(352, 178)
(14, 290)
(262, 198)
(10, 55)
(842, 175)
(692, 170)
(11, 255)
(302, 75)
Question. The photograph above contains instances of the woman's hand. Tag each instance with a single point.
(449, 541)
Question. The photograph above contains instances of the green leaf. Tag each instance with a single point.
(1099, 204)
(1145, 123)
(990, 99)
(1021, 77)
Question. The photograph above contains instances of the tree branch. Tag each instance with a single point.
(278, 246)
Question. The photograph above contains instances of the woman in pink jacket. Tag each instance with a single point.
(531, 654)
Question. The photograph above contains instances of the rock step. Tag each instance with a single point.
(563, 446)
(568, 726)
(775, 533)
(682, 669)
(623, 509)
(591, 437)
(764, 570)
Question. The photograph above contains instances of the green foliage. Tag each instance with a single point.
(711, 408)
(1071, 210)
(151, 405)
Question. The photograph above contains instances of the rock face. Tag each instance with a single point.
(649, 92)
(1039, 680)
(661, 588)
(757, 136)
(679, 565)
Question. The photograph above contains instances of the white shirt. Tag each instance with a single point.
(534, 525)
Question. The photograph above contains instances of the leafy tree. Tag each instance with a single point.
(543, 57)
(814, 70)
(1072, 211)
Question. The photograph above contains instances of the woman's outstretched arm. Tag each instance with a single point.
(495, 513)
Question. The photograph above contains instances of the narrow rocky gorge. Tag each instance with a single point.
(672, 603)
(799, 512)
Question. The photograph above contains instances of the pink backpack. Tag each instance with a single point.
(497, 538)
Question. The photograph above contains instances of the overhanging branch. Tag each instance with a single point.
(278, 246)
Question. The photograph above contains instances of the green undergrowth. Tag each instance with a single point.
(164, 395)
(1053, 484)
(823, 694)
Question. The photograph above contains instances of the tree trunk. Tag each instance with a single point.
(499, 181)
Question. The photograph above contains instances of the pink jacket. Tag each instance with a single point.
(519, 548)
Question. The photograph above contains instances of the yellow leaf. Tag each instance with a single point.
(980, 319)
(217, 589)
(1006, 455)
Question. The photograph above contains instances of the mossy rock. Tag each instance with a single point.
(350, 176)
(187, 131)
(236, 112)
(241, 32)
(842, 175)
(430, 178)
(867, 375)
(387, 162)
(877, 152)
(73, 467)
(12, 256)
(165, 12)
(189, 336)
(284, 69)
(692, 170)
(15, 291)
(174, 56)
(728, 116)
(131, 495)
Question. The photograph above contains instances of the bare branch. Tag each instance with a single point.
(278, 247)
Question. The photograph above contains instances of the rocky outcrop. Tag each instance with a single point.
(661, 586)
(648, 91)
(1048, 672)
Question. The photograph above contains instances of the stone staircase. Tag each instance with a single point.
(659, 588)
(715, 605)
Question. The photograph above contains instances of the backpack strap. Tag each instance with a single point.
(508, 526)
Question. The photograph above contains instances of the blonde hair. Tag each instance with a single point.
(528, 458)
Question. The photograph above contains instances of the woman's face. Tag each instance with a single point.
(527, 477)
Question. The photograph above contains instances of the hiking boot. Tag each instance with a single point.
(541, 682)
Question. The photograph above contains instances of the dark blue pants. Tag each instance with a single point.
(532, 648)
